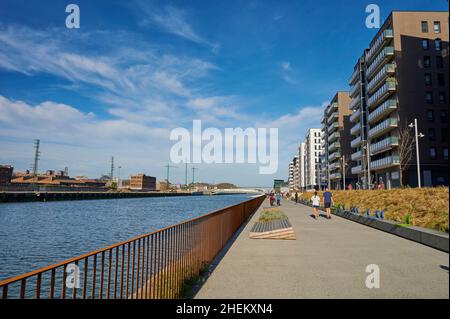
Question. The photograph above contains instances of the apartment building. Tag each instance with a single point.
(336, 128)
(291, 175)
(301, 166)
(313, 150)
(402, 76)
(294, 173)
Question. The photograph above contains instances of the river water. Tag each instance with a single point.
(37, 234)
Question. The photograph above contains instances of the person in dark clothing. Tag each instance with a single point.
(328, 202)
(296, 197)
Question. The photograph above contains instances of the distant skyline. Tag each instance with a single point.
(135, 70)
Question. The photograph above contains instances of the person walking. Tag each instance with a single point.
(296, 197)
(315, 200)
(278, 199)
(328, 202)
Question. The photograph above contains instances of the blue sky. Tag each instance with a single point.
(137, 69)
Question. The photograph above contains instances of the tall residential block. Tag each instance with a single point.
(336, 128)
(313, 150)
(301, 166)
(402, 75)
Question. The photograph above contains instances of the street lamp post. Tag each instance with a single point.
(417, 135)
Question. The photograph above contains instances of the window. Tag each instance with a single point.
(438, 44)
(445, 153)
(429, 97)
(444, 118)
(441, 80)
(437, 27)
(433, 153)
(426, 61)
(425, 44)
(425, 26)
(439, 62)
(430, 115)
(427, 78)
(431, 134)
(442, 97)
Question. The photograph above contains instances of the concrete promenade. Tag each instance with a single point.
(328, 260)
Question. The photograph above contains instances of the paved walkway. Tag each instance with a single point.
(328, 260)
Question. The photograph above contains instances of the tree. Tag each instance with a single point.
(405, 150)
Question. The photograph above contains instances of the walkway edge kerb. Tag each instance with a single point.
(427, 237)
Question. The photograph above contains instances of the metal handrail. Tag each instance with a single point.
(165, 259)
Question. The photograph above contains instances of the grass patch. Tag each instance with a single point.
(269, 215)
(424, 207)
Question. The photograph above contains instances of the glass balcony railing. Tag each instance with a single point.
(332, 127)
(356, 156)
(386, 108)
(334, 155)
(354, 77)
(383, 127)
(384, 91)
(333, 137)
(385, 162)
(355, 117)
(356, 169)
(331, 108)
(385, 55)
(335, 175)
(384, 145)
(356, 142)
(355, 101)
(355, 89)
(355, 129)
(385, 71)
(383, 38)
(334, 146)
(334, 116)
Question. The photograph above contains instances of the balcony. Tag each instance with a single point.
(332, 107)
(335, 176)
(333, 137)
(355, 117)
(334, 165)
(356, 142)
(355, 102)
(356, 156)
(334, 146)
(334, 156)
(384, 56)
(355, 89)
(383, 110)
(354, 77)
(386, 70)
(384, 37)
(356, 169)
(382, 93)
(334, 116)
(355, 129)
(384, 127)
(333, 127)
(385, 162)
(384, 145)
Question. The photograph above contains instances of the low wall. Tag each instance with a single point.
(428, 237)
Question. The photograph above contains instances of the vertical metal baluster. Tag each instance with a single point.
(108, 285)
(75, 283)
(86, 267)
(63, 292)
(132, 270)
(116, 270)
(94, 275)
(102, 270)
(38, 286)
(122, 270)
(23, 287)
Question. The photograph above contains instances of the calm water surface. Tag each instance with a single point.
(37, 234)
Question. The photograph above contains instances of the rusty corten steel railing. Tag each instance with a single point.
(152, 266)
